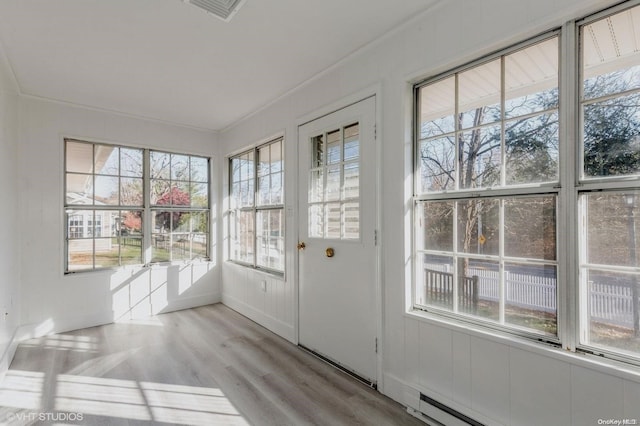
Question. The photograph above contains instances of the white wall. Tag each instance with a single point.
(10, 236)
(491, 378)
(55, 302)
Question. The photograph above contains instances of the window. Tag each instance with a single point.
(334, 196)
(256, 215)
(179, 206)
(495, 178)
(106, 206)
(486, 191)
(609, 192)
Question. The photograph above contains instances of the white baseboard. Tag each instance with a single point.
(7, 355)
(282, 329)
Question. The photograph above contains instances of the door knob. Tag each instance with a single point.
(301, 245)
(330, 252)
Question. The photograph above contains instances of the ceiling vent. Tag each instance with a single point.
(223, 9)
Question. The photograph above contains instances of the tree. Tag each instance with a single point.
(611, 127)
(174, 197)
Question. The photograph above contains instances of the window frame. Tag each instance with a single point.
(583, 187)
(256, 207)
(571, 191)
(498, 193)
(145, 209)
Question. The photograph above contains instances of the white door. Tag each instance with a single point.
(336, 250)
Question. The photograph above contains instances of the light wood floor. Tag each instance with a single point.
(202, 366)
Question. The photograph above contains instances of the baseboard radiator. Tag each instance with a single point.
(444, 415)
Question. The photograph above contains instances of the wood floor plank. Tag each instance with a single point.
(201, 366)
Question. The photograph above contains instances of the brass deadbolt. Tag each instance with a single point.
(301, 246)
(330, 252)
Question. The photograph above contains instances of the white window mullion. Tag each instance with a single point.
(147, 214)
(570, 157)
(501, 268)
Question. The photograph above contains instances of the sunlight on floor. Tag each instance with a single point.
(63, 342)
(21, 389)
(118, 398)
(145, 401)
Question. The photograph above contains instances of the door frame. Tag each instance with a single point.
(374, 91)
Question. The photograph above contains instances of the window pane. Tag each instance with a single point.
(160, 192)
(436, 218)
(611, 132)
(613, 315)
(79, 157)
(531, 79)
(242, 236)
(478, 226)
(610, 54)
(77, 223)
(160, 165)
(318, 154)
(316, 221)
(107, 252)
(277, 157)
(351, 180)
(199, 246)
(316, 185)
(270, 239)
(530, 228)
(276, 188)
(161, 236)
(264, 161)
(199, 169)
(435, 281)
(351, 219)
(437, 108)
(479, 288)
(180, 167)
(129, 223)
(479, 95)
(80, 254)
(247, 193)
(532, 149)
(612, 220)
(131, 190)
(480, 154)
(235, 170)
(437, 164)
(333, 223)
(131, 250)
(131, 162)
(351, 142)
(200, 222)
(107, 160)
(180, 246)
(79, 189)
(333, 147)
(531, 297)
(180, 194)
(264, 190)
(181, 222)
(199, 195)
(107, 190)
(332, 190)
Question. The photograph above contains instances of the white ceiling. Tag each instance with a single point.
(170, 61)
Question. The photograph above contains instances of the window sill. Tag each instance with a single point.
(115, 269)
(608, 366)
(265, 272)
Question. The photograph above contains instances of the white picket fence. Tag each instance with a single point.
(610, 303)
